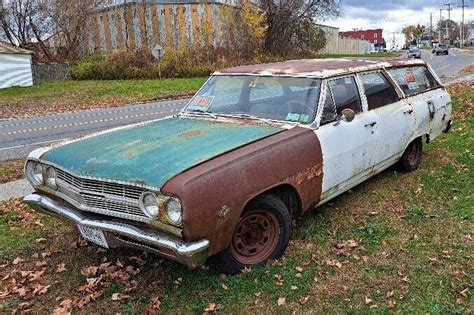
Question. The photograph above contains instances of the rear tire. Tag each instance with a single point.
(262, 233)
(411, 158)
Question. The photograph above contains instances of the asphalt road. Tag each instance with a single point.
(20, 136)
(448, 67)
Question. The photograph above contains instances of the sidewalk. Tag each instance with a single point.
(15, 189)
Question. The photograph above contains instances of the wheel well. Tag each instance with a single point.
(288, 195)
(427, 138)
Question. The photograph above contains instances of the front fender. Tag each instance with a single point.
(214, 194)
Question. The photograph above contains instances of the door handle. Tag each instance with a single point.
(371, 124)
(408, 111)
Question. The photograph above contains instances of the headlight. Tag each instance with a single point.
(50, 177)
(150, 205)
(174, 211)
(34, 172)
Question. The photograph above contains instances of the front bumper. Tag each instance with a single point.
(191, 254)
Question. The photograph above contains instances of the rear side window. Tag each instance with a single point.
(342, 93)
(378, 90)
(413, 80)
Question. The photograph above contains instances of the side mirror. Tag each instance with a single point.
(348, 114)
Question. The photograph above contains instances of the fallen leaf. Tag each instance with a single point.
(389, 294)
(154, 305)
(41, 289)
(368, 300)
(464, 292)
(299, 269)
(302, 300)
(281, 301)
(17, 260)
(225, 287)
(293, 287)
(119, 297)
(212, 307)
(391, 304)
(61, 268)
(278, 279)
(333, 263)
(89, 271)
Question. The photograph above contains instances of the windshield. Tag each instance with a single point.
(412, 50)
(442, 46)
(276, 98)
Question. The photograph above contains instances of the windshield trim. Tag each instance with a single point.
(185, 110)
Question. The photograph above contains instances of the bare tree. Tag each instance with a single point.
(25, 24)
(292, 24)
(69, 18)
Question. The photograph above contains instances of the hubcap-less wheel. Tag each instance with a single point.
(255, 237)
(412, 153)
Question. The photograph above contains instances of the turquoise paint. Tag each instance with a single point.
(153, 153)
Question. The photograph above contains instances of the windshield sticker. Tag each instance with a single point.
(410, 77)
(304, 118)
(293, 117)
(202, 101)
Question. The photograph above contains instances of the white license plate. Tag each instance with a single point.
(93, 235)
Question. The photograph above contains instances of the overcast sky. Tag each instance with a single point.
(393, 15)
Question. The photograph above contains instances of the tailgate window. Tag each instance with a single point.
(414, 80)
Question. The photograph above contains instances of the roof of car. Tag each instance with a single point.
(318, 68)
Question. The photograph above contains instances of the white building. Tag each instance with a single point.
(15, 67)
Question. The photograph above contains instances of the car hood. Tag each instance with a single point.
(150, 154)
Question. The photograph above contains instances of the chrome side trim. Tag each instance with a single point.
(191, 254)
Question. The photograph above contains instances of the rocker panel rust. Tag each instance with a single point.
(230, 181)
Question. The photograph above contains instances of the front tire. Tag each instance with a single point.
(411, 157)
(262, 233)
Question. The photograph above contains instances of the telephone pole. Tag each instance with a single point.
(440, 23)
(463, 5)
(449, 18)
(431, 26)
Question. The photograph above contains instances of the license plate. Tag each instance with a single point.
(93, 235)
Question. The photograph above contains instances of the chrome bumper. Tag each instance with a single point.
(190, 254)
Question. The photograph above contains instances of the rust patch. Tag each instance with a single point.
(306, 175)
(192, 133)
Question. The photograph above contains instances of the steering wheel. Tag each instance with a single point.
(291, 104)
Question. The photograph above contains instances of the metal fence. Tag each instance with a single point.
(345, 45)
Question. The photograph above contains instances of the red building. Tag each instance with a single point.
(373, 36)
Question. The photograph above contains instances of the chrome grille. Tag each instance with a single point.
(112, 199)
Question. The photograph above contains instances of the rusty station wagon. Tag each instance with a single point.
(256, 146)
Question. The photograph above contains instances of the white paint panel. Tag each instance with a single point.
(15, 70)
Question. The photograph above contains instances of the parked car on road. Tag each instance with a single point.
(440, 49)
(256, 147)
(414, 52)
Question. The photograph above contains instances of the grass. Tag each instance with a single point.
(11, 170)
(73, 95)
(411, 252)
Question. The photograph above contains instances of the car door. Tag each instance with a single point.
(347, 147)
(394, 116)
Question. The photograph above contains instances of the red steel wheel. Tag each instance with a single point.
(255, 237)
(261, 233)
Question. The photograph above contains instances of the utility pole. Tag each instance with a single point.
(431, 26)
(449, 18)
(440, 21)
(463, 5)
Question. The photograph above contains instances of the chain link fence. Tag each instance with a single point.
(43, 72)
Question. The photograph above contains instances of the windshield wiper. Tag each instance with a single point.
(201, 111)
(242, 115)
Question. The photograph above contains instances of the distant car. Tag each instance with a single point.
(440, 49)
(414, 52)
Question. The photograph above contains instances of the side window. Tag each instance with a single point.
(341, 94)
(378, 90)
(413, 80)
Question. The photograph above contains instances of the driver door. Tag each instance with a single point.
(348, 147)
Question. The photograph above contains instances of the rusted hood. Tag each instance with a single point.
(152, 153)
